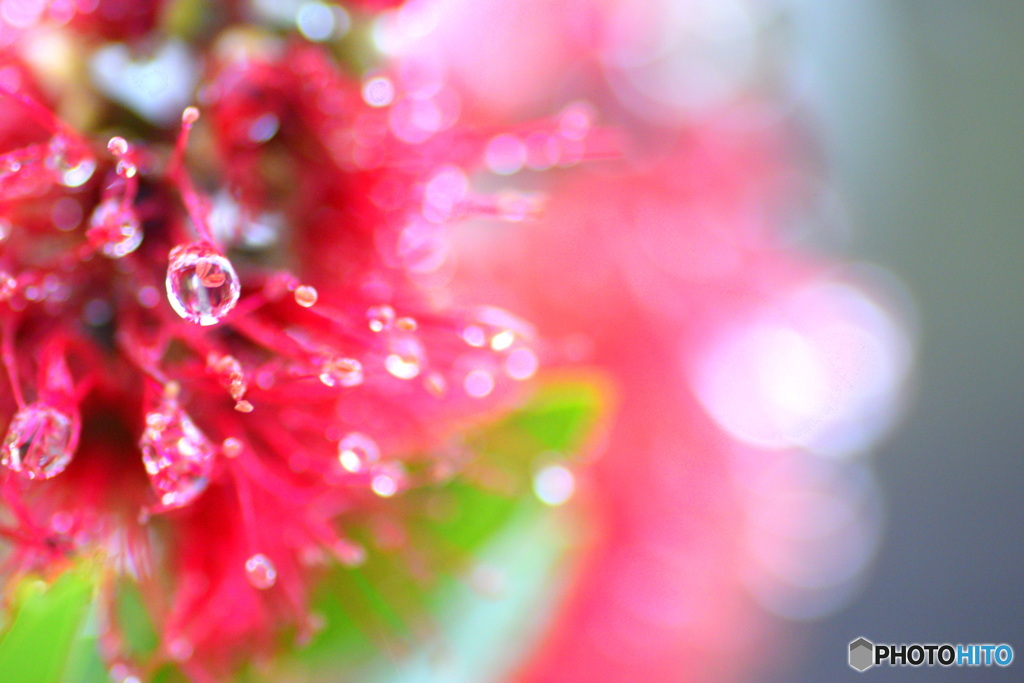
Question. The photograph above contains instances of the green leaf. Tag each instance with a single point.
(561, 415)
(376, 613)
(43, 637)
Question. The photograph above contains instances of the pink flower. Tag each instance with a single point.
(709, 493)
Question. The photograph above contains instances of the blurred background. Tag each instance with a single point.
(919, 110)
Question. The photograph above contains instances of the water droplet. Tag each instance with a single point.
(115, 228)
(315, 21)
(435, 383)
(148, 297)
(380, 317)
(474, 336)
(503, 340)
(231, 447)
(305, 296)
(388, 479)
(202, 285)
(126, 169)
(575, 121)
(505, 154)
(479, 383)
(74, 169)
(356, 451)
(5, 230)
(406, 358)
(189, 116)
(554, 485)
(521, 364)
(178, 457)
(260, 571)
(347, 372)
(244, 406)
(263, 128)
(117, 146)
(8, 286)
(40, 442)
(180, 649)
(378, 91)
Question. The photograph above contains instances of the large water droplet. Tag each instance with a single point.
(115, 228)
(178, 456)
(356, 451)
(260, 571)
(40, 442)
(202, 285)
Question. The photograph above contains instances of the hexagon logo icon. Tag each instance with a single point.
(862, 654)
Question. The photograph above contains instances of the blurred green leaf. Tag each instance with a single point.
(382, 612)
(561, 415)
(46, 634)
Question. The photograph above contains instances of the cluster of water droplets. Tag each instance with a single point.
(499, 343)
(228, 371)
(178, 456)
(360, 454)
(405, 353)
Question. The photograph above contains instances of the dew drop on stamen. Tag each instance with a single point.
(231, 447)
(305, 296)
(178, 457)
(202, 286)
(189, 116)
(356, 452)
(260, 571)
(40, 442)
(346, 372)
(117, 146)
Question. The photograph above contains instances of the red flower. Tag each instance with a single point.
(212, 389)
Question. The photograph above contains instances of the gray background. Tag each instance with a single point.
(919, 106)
